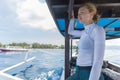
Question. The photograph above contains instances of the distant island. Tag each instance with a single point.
(35, 46)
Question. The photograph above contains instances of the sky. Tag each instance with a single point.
(30, 21)
(27, 21)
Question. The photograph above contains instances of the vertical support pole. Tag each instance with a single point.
(67, 66)
(71, 47)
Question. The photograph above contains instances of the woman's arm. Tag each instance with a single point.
(71, 30)
(99, 48)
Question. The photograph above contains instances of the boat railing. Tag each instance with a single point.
(5, 76)
(111, 70)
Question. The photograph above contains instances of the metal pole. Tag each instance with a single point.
(67, 66)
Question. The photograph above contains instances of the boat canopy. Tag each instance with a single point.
(108, 9)
(61, 11)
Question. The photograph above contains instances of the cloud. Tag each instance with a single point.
(27, 21)
(34, 13)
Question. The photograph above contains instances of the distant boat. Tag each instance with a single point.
(13, 49)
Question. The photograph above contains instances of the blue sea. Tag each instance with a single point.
(48, 64)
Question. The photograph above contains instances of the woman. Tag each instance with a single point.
(91, 45)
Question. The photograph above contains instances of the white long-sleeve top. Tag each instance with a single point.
(90, 47)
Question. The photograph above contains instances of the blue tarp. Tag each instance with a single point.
(111, 25)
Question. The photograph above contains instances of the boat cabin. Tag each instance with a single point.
(109, 10)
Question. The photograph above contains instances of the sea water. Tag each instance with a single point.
(48, 64)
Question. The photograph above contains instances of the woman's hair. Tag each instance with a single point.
(92, 8)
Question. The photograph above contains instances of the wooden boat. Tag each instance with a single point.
(61, 11)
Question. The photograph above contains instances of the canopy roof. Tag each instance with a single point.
(109, 10)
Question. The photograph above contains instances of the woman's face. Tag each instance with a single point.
(85, 16)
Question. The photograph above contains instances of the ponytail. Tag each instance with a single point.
(96, 17)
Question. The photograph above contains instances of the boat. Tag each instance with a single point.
(61, 11)
(13, 49)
